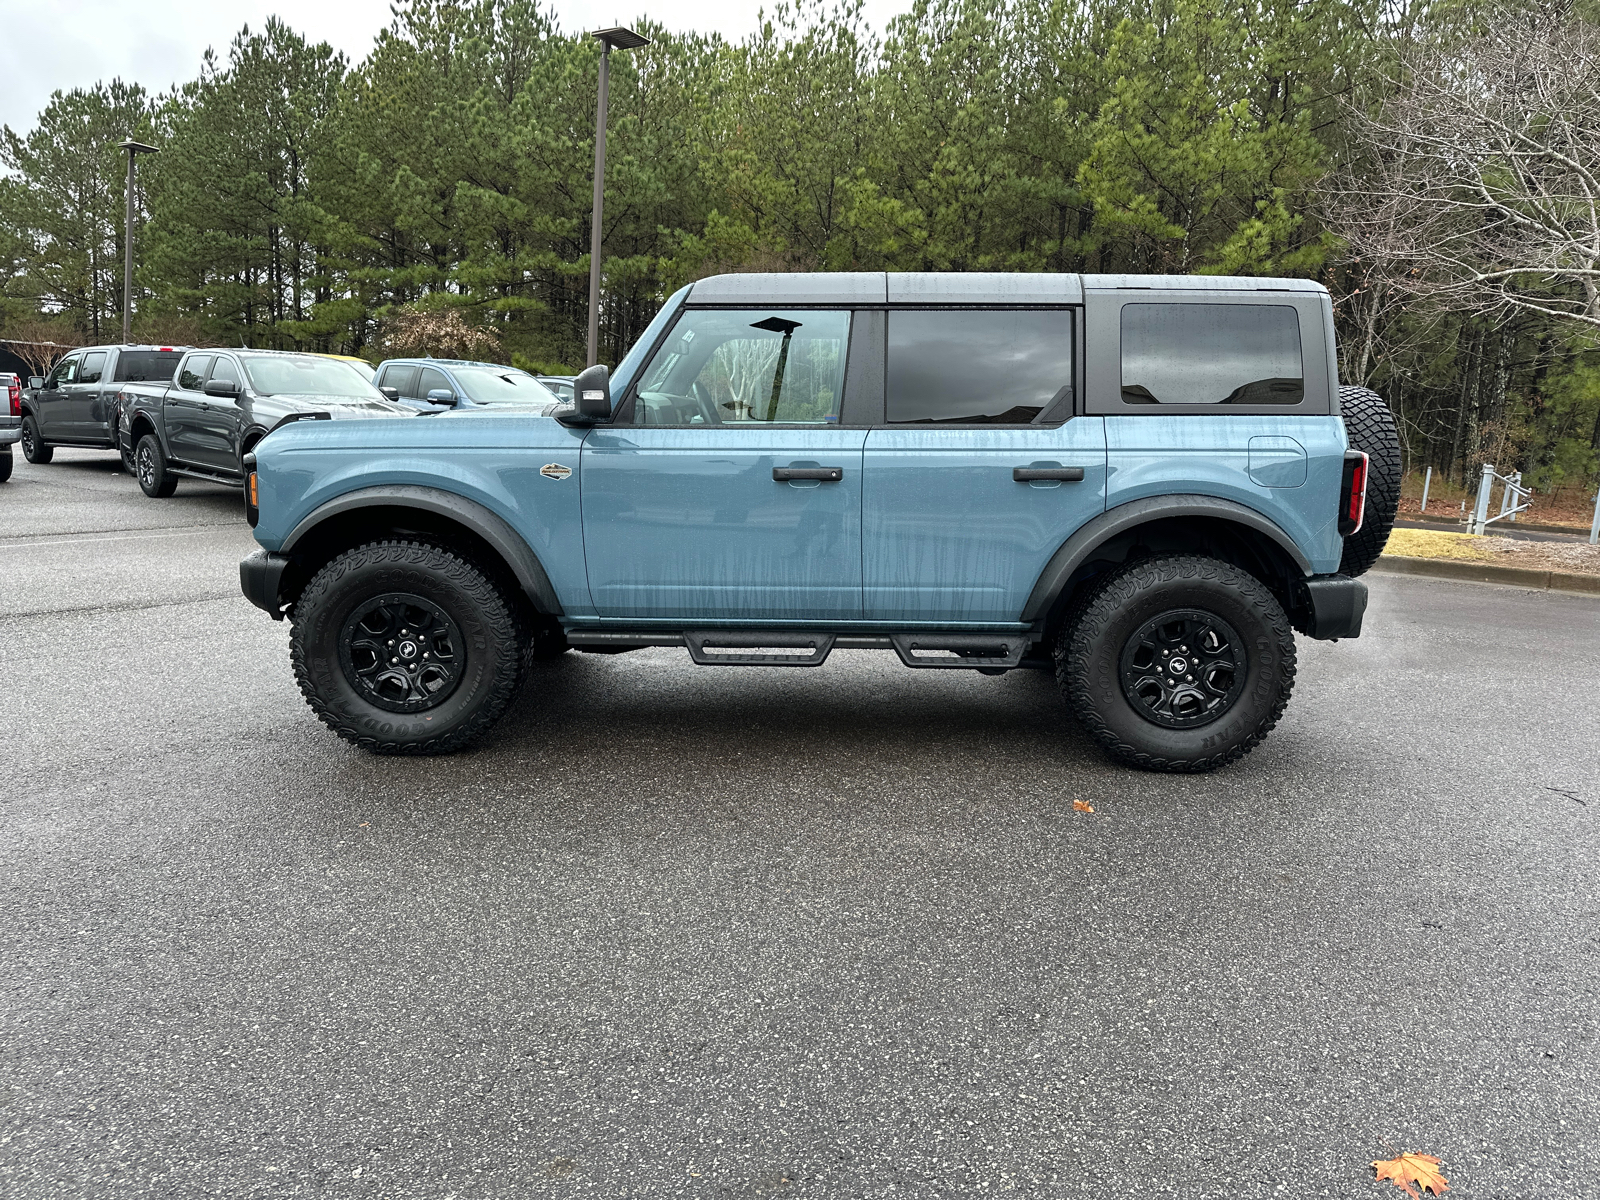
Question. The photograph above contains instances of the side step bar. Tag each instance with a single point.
(775, 648)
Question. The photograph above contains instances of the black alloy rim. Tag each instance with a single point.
(146, 456)
(27, 440)
(1183, 668)
(401, 652)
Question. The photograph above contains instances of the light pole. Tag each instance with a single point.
(611, 39)
(134, 149)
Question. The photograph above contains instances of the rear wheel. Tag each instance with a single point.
(5, 463)
(33, 447)
(406, 648)
(150, 465)
(1178, 663)
(1370, 428)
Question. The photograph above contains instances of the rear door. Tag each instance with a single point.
(727, 490)
(978, 469)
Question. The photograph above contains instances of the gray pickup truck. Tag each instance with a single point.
(219, 403)
(76, 404)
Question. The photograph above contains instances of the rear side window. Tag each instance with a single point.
(146, 366)
(94, 365)
(194, 371)
(977, 367)
(1211, 354)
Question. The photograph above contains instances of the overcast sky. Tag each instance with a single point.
(51, 44)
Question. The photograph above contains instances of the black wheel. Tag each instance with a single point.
(150, 467)
(1177, 663)
(5, 463)
(406, 648)
(1369, 426)
(33, 447)
(129, 463)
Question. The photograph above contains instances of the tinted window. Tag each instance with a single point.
(146, 366)
(1211, 354)
(400, 378)
(977, 367)
(225, 369)
(747, 367)
(94, 365)
(430, 379)
(193, 373)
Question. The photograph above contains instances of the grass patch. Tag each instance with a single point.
(1436, 543)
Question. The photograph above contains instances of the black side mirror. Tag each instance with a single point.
(225, 388)
(441, 396)
(393, 393)
(591, 398)
(35, 382)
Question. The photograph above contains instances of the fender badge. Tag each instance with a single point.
(555, 471)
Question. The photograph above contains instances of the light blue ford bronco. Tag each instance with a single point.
(1145, 484)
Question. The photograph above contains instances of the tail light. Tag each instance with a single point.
(1353, 493)
(15, 388)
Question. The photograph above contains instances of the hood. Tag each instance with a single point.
(340, 407)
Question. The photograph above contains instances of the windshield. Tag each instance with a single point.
(485, 385)
(282, 375)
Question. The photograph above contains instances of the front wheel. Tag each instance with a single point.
(33, 446)
(405, 648)
(1178, 663)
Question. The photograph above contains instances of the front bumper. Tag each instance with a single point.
(1337, 606)
(260, 574)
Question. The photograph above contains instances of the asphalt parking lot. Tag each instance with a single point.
(724, 932)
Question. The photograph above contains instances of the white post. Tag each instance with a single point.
(1594, 528)
(1427, 479)
(1480, 514)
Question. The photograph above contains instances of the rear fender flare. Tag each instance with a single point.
(518, 557)
(1081, 546)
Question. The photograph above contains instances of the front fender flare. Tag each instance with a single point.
(1080, 547)
(492, 528)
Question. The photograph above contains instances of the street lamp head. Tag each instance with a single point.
(619, 38)
(133, 147)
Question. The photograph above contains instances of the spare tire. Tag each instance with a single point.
(1369, 426)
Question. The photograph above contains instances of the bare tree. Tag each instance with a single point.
(442, 333)
(39, 342)
(1480, 183)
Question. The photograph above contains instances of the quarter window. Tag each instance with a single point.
(193, 371)
(747, 367)
(977, 367)
(1211, 354)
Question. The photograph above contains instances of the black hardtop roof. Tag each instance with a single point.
(959, 287)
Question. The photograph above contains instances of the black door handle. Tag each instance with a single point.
(1064, 474)
(825, 474)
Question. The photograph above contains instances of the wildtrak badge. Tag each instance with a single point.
(555, 471)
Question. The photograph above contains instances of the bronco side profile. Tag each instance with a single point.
(1145, 484)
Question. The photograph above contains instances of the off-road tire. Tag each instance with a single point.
(1088, 656)
(33, 446)
(126, 453)
(1369, 426)
(495, 644)
(150, 469)
(5, 464)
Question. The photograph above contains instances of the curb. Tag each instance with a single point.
(1475, 572)
(1454, 526)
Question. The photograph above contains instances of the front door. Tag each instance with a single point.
(977, 474)
(184, 408)
(54, 400)
(728, 491)
(78, 398)
(216, 421)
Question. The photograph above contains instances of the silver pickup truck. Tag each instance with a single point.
(10, 419)
(76, 404)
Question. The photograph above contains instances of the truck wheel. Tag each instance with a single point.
(129, 460)
(5, 463)
(406, 648)
(1177, 663)
(150, 465)
(33, 448)
(1369, 426)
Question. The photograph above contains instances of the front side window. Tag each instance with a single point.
(66, 371)
(747, 367)
(193, 372)
(226, 370)
(430, 379)
(288, 375)
(1211, 354)
(977, 367)
(94, 364)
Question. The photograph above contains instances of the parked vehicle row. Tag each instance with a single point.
(173, 411)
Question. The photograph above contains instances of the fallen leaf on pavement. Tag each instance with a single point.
(1080, 806)
(1422, 1169)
